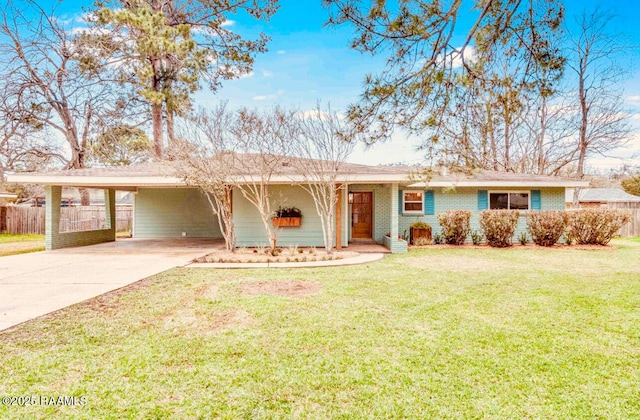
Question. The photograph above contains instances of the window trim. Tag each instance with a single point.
(528, 192)
(404, 201)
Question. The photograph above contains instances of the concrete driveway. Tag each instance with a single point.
(36, 284)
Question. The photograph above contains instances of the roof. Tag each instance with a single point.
(9, 195)
(160, 174)
(603, 195)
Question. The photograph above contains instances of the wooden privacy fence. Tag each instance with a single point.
(24, 220)
(633, 227)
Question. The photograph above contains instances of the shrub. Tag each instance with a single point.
(455, 226)
(596, 226)
(476, 237)
(420, 225)
(438, 239)
(546, 227)
(523, 239)
(498, 226)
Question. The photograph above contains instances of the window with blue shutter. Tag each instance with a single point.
(536, 200)
(483, 199)
(429, 203)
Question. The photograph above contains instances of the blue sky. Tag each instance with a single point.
(308, 61)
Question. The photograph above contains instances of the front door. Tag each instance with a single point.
(362, 215)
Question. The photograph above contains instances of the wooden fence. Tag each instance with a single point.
(633, 227)
(23, 220)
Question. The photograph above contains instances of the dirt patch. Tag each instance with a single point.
(208, 323)
(289, 288)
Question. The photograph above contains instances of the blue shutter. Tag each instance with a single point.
(483, 199)
(429, 203)
(400, 202)
(536, 200)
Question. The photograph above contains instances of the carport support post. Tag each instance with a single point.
(52, 216)
(394, 216)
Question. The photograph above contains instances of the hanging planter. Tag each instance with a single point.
(287, 217)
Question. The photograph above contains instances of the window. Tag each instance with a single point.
(412, 202)
(511, 200)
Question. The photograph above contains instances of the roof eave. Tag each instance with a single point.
(502, 184)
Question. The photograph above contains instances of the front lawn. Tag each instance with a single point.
(11, 244)
(436, 333)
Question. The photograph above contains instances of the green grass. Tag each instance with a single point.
(436, 333)
(11, 244)
(6, 238)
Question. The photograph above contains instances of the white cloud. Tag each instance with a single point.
(228, 22)
(266, 73)
(281, 52)
(469, 54)
(271, 96)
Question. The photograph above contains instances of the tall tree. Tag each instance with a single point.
(600, 121)
(321, 148)
(42, 87)
(484, 122)
(203, 158)
(424, 65)
(167, 47)
(261, 140)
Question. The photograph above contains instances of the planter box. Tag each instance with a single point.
(287, 221)
(420, 233)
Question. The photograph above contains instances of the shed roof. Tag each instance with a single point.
(603, 195)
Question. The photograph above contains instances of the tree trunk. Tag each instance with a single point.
(156, 115)
(171, 136)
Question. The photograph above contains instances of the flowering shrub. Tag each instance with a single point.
(455, 226)
(595, 226)
(546, 227)
(498, 226)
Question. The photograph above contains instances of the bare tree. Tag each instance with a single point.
(203, 157)
(324, 144)
(41, 83)
(261, 140)
(601, 122)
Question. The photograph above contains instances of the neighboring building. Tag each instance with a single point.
(603, 197)
(375, 201)
(6, 197)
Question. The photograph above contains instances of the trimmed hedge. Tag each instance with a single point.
(595, 226)
(498, 226)
(455, 226)
(546, 227)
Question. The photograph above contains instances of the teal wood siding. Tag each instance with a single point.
(469, 199)
(167, 212)
(250, 229)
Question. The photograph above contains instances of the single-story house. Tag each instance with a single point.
(376, 203)
(603, 197)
